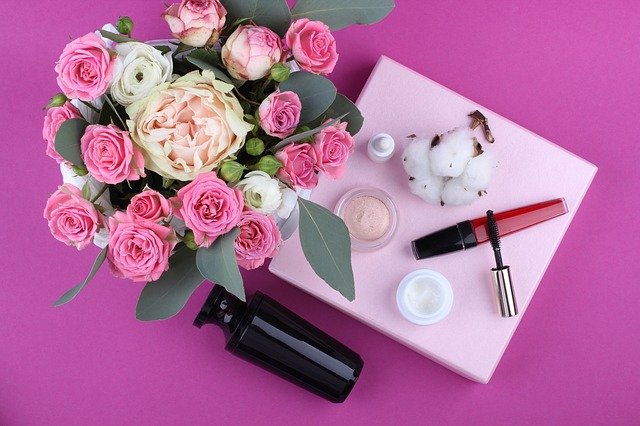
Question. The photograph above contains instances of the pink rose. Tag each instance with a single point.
(333, 145)
(251, 51)
(72, 219)
(139, 250)
(196, 22)
(149, 205)
(312, 45)
(52, 122)
(259, 239)
(208, 207)
(280, 113)
(298, 165)
(109, 155)
(85, 68)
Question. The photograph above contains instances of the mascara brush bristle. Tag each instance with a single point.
(494, 237)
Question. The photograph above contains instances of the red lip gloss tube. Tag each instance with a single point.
(470, 233)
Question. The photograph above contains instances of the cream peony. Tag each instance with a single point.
(189, 126)
(139, 69)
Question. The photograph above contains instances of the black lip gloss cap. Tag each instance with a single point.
(454, 238)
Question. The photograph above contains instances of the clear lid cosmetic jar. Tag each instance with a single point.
(424, 297)
(371, 217)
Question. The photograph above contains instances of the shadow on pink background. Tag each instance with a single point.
(568, 71)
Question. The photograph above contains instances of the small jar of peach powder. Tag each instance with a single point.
(371, 217)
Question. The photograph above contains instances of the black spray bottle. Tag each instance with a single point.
(267, 334)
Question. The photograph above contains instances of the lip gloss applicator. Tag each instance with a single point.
(470, 233)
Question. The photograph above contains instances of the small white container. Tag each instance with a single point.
(424, 297)
(381, 148)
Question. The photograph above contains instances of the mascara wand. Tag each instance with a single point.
(501, 274)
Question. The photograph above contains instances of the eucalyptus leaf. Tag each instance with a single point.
(327, 246)
(209, 56)
(338, 14)
(73, 292)
(181, 47)
(220, 75)
(165, 297)
(316, 93)
(342, 105)
(118, 38)
(304, 135)
(68, 140)
(218, 264)
(273, 14)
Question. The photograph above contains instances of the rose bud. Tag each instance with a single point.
(251, 51)
(125, 25)
(196, 23)
(231, 171)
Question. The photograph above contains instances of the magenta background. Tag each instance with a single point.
(568, 71)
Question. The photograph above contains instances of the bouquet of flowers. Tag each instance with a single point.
(180, 159)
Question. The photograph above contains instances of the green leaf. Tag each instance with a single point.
(327, 246)
(86, 191)
(220, 75)
(68, 140)
(182, 48)
(73, 292)
(273, 14)
(304, 135)
(165, 297)
(316, 93)
(342, 105)
(105, 118)
(209, 56)
(218, 264)
(338, 14)
(118, 38)
(163, 49)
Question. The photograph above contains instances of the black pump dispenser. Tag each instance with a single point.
(269, 335)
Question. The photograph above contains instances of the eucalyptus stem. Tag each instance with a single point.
(113, 107)
(99, 194)
(93, 107)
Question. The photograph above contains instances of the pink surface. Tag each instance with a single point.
(565, 70)
(471, 340)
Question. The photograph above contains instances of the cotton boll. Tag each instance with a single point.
(477, 175)
(415, 159)
(429, 188)
(452, 153)
(456, 194)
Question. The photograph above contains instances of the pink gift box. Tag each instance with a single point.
(473, 337)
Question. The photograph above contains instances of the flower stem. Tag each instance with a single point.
(91, 106)
(99, 194)
(245, 98)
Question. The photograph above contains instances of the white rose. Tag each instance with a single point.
(289, 201)
(266, 195)
(139, 69)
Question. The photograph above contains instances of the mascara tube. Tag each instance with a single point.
(470, 233)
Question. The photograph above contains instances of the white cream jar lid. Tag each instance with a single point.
(424, 297)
